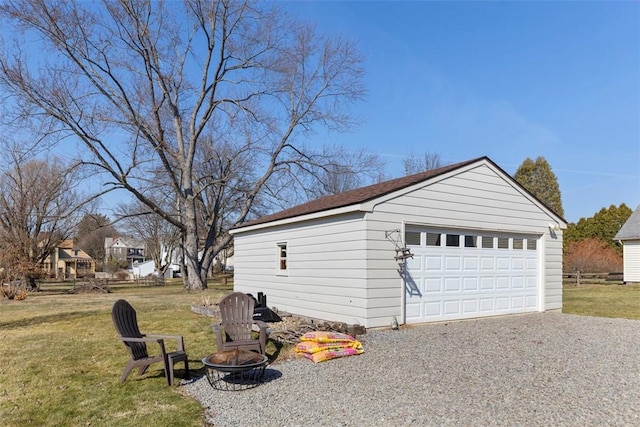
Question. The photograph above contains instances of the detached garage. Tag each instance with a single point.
(457, 242)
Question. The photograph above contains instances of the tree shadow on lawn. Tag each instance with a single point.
(49, 318)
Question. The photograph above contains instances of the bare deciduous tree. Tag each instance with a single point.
(413, 164)
(145, 86)
(335, 169)
(90, 235)
(37, 212)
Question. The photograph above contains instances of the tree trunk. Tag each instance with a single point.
(194, 280)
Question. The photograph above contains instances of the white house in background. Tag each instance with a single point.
(143, 269)
(457, 242)
(126, 249)
(629, 235)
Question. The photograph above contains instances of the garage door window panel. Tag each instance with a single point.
(503, 243)
(453, 240)
(433, 239)
(470, 241)
(518, 243)
(412, 238)
(487, 242)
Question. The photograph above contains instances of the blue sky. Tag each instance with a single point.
(508, 80)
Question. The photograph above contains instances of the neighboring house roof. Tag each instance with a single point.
(631, 229)
(365, 194)
(73, 254)
(126, 242)
(66, 244)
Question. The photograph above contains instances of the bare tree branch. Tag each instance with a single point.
(208, 103)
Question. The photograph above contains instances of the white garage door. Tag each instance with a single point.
(457, 275)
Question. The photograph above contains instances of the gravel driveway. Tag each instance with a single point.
(537, 369)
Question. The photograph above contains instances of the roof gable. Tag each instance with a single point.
(77, 254)
(375, 191)
(631, 228)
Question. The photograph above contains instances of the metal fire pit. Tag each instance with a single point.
(235, 370)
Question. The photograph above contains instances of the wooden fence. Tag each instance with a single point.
(593, 278)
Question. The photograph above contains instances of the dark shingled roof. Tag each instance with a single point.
(358, 195)
(631, 228)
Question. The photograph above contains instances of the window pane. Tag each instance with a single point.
(517, 243)
(531, 244)
(433, 239)
(470, 241)
(487, 242)
(282, 256)
(412, 238)
(453, 240)
(503, 243)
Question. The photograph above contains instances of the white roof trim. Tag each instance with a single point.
(320, 214)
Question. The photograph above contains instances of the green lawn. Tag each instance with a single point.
(611, 300)
(61, 359)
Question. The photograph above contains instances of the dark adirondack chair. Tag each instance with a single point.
(126, 323)
(236, 326)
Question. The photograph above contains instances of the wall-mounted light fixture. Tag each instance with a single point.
(554, 226)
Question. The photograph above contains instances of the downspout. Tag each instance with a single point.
(403, 298)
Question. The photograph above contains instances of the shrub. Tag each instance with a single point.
(122, 275)
(20, 295)
(13, 291)
(591, 256)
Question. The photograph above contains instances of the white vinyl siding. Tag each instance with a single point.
(325, 276)
(631, 254)
(475, 197)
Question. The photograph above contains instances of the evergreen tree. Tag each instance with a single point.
(538, 178)
(604, 225)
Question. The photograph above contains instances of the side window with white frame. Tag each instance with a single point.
(282, 257)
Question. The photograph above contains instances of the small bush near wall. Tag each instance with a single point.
(13, 291)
